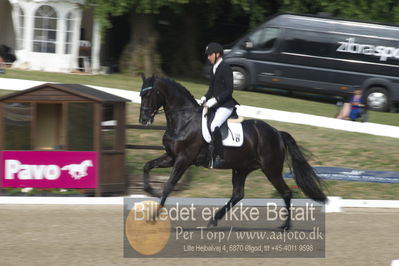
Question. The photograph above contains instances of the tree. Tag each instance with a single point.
(199, 22)
(370, 10)
(257, 10)
(105, 8)
(140, 55)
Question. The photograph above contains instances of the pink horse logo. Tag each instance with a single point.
(77, 171)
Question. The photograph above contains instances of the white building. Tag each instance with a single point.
(50, 35)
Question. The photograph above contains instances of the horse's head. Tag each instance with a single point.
(151, 100)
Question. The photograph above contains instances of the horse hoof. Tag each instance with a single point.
(212, 223)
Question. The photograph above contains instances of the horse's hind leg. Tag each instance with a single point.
(273, 172)
(162, 162)
(238, 180)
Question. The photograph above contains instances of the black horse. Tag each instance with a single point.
(264, 147)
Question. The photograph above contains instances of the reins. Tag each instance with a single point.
(182, 109)
(175, 110)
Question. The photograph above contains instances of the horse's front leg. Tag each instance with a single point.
(162, 162)
(180, 166)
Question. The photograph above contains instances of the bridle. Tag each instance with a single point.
(153, 109)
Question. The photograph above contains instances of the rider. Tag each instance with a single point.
(219, 97)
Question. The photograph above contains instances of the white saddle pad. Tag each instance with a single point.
(235, 137)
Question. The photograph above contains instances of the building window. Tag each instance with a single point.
(20, 28)
(69, 21)
(45, 30)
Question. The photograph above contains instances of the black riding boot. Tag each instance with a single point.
(211, 152)
(217, 144)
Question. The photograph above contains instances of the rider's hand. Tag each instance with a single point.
(202, 100)
(211, 102)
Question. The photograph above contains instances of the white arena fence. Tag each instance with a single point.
(335, 204)
(246, 111)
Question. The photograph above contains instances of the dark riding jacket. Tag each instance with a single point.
(221, 86)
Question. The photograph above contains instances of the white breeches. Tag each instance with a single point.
(221, 115)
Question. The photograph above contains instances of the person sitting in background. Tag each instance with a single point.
(356, 104)
(344, 107)
(354, 108)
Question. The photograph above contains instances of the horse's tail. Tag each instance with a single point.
(306, 178)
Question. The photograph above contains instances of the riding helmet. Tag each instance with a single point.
(214, 47)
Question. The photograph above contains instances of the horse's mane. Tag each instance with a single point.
(182, 90)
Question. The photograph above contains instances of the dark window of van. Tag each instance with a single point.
(308, 43)
(264, 38)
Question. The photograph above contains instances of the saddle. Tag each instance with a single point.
(231, 130)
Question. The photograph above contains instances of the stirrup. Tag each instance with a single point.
(217, 162)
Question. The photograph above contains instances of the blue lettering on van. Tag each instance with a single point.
(384, 52)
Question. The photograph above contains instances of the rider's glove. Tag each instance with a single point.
(202, 100)
(211, 102)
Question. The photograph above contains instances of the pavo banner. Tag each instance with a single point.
(49, 169)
